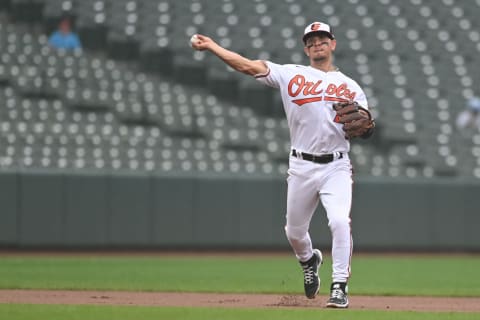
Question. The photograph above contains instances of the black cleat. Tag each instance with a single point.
(311, 280)
(338, 295)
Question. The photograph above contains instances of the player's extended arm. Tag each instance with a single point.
(233, 59)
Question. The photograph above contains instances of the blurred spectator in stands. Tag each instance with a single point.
(64, 37)
(468, 121)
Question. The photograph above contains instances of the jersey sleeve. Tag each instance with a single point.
(361, 98)
(272, 76)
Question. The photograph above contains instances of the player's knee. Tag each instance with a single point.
(339, 223)
(294, 234)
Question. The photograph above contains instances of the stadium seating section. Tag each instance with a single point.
(138, 98)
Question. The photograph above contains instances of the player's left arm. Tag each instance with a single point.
(371, 128)
(364, 108)
(233, 59)
(354, 114)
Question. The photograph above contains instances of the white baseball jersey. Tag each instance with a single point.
(308, 95)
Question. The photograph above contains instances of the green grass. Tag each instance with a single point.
(380, 275)
(414, 275)
(62, 312)
(377, 275)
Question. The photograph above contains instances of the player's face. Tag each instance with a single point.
(319, 47)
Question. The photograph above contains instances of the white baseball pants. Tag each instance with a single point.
(331, 183)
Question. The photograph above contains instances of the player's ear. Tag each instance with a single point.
(305, 49)
(334, 44)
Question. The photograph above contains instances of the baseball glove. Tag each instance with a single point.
(357, 121)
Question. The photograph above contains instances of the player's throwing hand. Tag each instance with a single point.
(200, 42)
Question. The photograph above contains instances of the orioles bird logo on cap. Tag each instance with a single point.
(315, 26)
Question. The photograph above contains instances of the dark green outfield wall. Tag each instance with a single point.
(51, 209)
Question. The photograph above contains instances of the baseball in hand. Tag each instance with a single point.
(193, 39)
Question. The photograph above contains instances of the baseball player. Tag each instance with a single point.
(324, 110)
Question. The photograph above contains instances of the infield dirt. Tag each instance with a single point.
(174, 299)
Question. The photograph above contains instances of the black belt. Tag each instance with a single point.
(324, 158)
